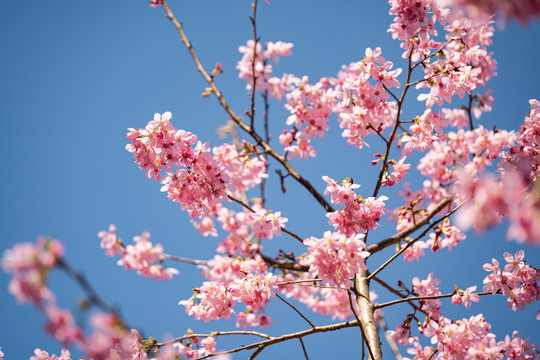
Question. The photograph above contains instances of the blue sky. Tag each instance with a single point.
(75, 75)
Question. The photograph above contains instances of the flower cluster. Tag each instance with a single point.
(428, 287)
(326, 301)
(266, 225)
(227, 268)
(461, 339)
(215, 300)
(469, 339)
(43, 355)
(400, 170)
(245, 171)
(249, 319)
(364, 107)
(517, 281)
(143, 256)
(237, 225)
(200, 180)
(358, 214)
(263, 70)
(523, 11)
(30, 264)
(310, 107)
(336, 258)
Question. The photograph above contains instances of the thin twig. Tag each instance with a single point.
(469, 112)
(253, 211)
(257, 352)
(412, 242)
(396, 292)
(303, 348)
(295, 309)
(431, 297)
(284, 265)
(435, 52)
(394, 130)
(267, 140)
(185, 260)
(298, 282)
(389, 339)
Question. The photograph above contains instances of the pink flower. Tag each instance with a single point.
(43, 355)
(30, 263)
(109, 242)
(61, 325)
(249, 319)
(465, 297)
(143, 257)
(214, 302)
(209, 344)
(336, 258)
(254, 290)
(266, 225)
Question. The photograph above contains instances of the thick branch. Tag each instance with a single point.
(286, 337)
(370, 331)
(442, 296)
(215, 334)
(403, 234)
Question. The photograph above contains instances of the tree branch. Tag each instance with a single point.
(286, 337)
(431, 297)
(267, 148)
(403, 234)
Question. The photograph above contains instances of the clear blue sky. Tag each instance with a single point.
(74, 75)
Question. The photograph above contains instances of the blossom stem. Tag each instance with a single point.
(303, 348)
(396, 292)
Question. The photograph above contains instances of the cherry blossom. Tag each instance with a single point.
(336, 258)
(30, 264)
(266, 225)
(43, 355)
(143, 256)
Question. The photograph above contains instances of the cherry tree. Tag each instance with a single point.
(439, 174)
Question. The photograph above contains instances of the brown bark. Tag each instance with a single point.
(370, 331)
